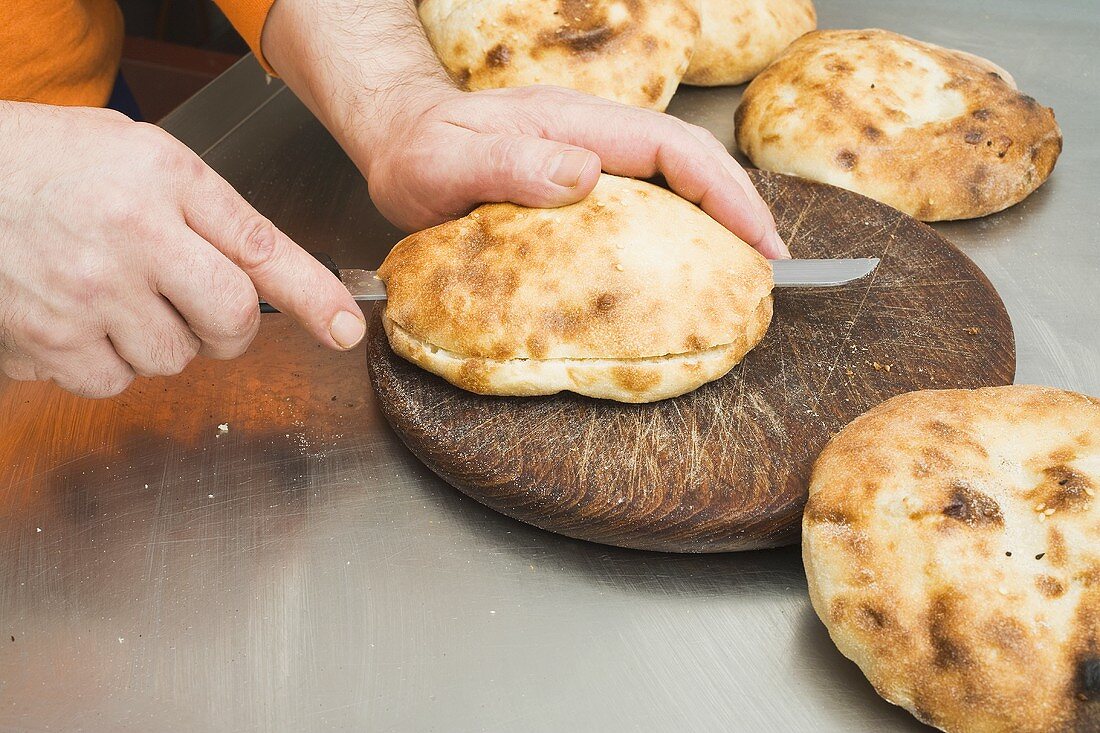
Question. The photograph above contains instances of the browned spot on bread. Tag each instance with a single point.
(846, 159)
(498, 56)
(1056, 548)
(649, 43)
(1000, 145)
(945, 632)
(817, 514)
(973, 508)
(1007, 634)
(871, 132)
(1063, 455)
(462, 78)
(605, 302)
(836, 98)
(973, 137)
(579, 40)
(654, 88)
(840, 66)
(1087, 679)
(1063, 489)
(635, 379)
(957, 436)
(536, 345)
(1089, 577)
(694, 342)
(930, 461)
(982, 114)
(872, 617)
(475, 375)
(1049, 586)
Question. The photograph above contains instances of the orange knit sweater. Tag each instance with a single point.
(67, 51)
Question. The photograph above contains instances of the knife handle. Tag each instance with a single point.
(321, 257)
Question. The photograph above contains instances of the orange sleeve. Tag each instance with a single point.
(248, 17)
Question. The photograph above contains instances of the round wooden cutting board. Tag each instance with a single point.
(725, 467)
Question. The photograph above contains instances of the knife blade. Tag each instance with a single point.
(365, 285)
(799, 273)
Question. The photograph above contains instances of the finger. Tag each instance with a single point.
(642, 143)
(94, 370)
(214, 297)
(283, 273)
(523, 169)
(772, 244)
(153, 338)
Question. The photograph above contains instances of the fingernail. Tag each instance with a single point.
(569, 167)
(347, 329)
(784, 252)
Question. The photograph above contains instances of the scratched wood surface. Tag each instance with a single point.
(725, 467)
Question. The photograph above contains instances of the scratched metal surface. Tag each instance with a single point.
(302, 571)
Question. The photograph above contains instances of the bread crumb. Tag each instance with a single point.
(223, 428)
(973, 330)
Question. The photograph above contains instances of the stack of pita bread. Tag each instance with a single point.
(627, 50)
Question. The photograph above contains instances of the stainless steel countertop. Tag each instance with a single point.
(302, 571)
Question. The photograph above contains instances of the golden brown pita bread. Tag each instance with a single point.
(952, 548)
(739, 38)
(936, 133)
(632, 294)
(630, 51)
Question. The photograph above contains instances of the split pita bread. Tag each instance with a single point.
(936, 133)
(632, 294)
(739, 38)
(626, 50)
(952, 548)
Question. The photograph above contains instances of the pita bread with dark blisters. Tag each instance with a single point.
(632, 294)
(936, 133)
(739, 38)
(630, 51)
(952, 548)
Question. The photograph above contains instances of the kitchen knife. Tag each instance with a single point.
(365, 285)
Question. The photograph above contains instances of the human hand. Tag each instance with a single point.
(123, 254)
(545, 147)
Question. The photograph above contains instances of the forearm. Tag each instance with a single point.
(354, 64)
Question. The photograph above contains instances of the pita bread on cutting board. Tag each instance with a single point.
(739, 38)
(952, 548)
(630, 51)
(633, 294)
(936, 133)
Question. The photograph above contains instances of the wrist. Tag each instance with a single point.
(363, 69)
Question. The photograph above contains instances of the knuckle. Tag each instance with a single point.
(18, 370)
(100, 385)
(259, 241)
(91, 275)
(124, 211)
(47, 335)
(172, 352)
(234, 331)
(162, 152)
(236, 320)
(503, 150)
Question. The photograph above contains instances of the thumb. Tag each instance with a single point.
(524, 169)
